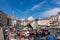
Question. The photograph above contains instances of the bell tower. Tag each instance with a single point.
(12, 18)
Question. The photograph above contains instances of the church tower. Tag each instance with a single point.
(12, 18)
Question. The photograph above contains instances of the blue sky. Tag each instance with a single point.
(24, 9)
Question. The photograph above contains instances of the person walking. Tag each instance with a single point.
(49, 37)
(37, 36)
(6, 36)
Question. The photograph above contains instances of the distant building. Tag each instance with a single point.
(18, 22)
(44, 22)
(33, 24)
(59, 19)
(3, 18)
(24, 22)
(9, 20)
(39, 22)
(54, 20)
(15, 22)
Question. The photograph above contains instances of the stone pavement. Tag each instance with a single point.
(1, 35)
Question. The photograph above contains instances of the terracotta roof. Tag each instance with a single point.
(44, 19)
(25, 21)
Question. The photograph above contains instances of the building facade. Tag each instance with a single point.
(33, 24)
(18, 22)
(54, 20)
(3, 18)
(24, 22)
(9, 20)
(59, 19)
(44, 22)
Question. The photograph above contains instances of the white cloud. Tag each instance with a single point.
(30, 18)
(56, 2)
(26, 11)
(35, 7)
(39, 17)
(22, 19)
(38, 5)
(51, 12)
(18, 10)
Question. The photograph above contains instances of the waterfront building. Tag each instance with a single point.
(3, 18)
